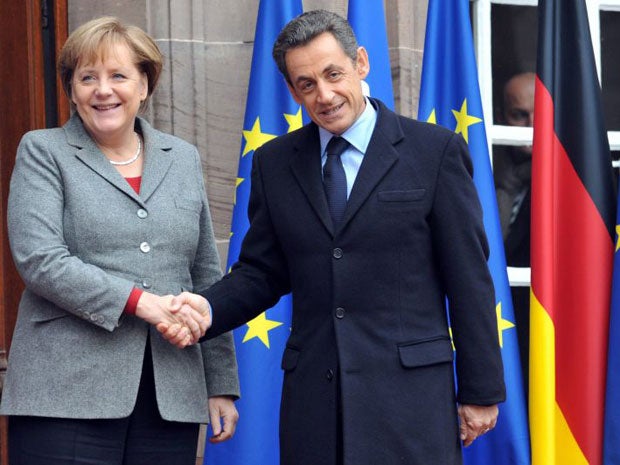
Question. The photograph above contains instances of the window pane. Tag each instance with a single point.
(513, 42)
(610, 68)
(513, 30)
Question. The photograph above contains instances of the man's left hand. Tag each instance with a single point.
(476, 420)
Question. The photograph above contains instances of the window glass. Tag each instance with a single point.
(513, 44)
(513, 39)
(610, 68)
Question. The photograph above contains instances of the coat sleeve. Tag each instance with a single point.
(40, 252)
(260, 276)
(461, 247)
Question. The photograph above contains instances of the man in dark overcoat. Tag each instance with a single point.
(369, 377)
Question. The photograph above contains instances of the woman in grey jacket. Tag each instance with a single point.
(105, 215)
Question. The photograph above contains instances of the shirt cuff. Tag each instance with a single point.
(132, 301)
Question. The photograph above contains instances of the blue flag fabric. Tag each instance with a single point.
(270, 111)
(450, 96)
(367, 19)
(611, 438)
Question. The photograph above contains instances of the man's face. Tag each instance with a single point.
(519, 103)
(327, 83)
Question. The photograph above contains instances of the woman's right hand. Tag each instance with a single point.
(162, 310)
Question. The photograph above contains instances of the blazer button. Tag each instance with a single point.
(337, 252)
(340, 313)
(142, 213)
(329, 375)
(145, 247)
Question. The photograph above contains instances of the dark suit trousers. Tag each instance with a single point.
(140, 439)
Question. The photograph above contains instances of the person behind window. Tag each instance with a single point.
(105, 215)
(370, 219)
(513, 174)
(513, 167)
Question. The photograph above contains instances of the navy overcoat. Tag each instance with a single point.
(369, 362)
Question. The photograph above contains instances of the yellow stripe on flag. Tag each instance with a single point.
(552, 440)
(568, 450)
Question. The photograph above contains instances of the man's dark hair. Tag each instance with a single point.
(306, 27)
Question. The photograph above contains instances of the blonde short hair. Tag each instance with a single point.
(97, 38)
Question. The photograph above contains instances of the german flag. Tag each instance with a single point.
(573, 206)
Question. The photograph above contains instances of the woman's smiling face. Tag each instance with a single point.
(108, 93)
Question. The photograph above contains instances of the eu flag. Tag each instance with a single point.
(611, 447)
(367, 19)
(270, 111)
(450, 96)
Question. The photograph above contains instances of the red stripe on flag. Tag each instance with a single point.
(571, 275)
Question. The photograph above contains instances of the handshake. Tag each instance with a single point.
(182, 320)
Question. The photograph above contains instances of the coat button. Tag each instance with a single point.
(142, 213)
(340, 313)
(329, 375)
(337, 252)
(145, 247)
(146, 284)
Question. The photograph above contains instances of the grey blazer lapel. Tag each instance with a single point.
(88, 152)
(157, 161)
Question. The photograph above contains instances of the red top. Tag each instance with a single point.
(132, 301)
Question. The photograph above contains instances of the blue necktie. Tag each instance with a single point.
(334, 179)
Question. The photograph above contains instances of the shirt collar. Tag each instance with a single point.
(359, 134)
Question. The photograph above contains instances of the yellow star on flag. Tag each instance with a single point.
(259, 327)
(255, 138)
(432, 118)
(238, 182)
(502, 324)
(617, 237)
(463, 121)
(294, 121)
(451, 339)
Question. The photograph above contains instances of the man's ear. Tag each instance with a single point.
(362, 63)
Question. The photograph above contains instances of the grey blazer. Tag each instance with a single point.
(81, 239)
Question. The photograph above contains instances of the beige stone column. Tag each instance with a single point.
(406, 23)
(201, 97)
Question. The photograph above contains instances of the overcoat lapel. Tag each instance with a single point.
(306, 166)
(379, 157)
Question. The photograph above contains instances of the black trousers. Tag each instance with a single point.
(143, 438)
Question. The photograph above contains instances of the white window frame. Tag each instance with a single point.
(509, 135)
